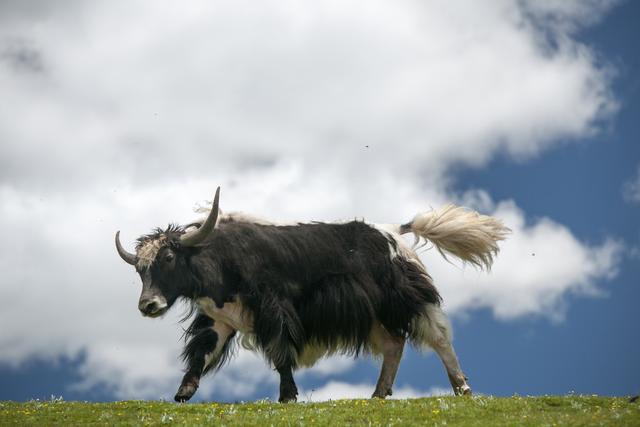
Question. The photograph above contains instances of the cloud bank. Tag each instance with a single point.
(122, 116)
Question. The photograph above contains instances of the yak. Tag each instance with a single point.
(300, 292)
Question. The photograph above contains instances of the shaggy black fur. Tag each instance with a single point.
(322, 284)
(201, 339)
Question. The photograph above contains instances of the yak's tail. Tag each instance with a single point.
(460, 232)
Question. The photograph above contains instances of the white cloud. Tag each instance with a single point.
(318, 83)
(539, 265)
(631, 188)
(330, 366)
(567, 15)
(318, 110)
(336, 390)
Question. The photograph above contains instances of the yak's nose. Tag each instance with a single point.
(148, 306)
(151, 307)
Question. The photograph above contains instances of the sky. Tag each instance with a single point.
(127, 115)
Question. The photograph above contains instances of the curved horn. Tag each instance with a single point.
(197, 236)
(129, 258)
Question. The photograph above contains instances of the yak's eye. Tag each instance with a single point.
(168, 257)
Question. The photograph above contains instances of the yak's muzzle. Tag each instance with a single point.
(152, 307)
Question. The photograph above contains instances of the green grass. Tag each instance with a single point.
(449, 411)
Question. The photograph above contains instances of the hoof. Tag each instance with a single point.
(288, 394)
(185, 393)
(464, 390)
(459, 385)
(381, 394)
(288, 399)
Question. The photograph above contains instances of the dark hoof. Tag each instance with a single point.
(185, 393)
(288, 395)
(381, 394)
(288, 399)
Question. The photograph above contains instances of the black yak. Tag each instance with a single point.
(300, 292)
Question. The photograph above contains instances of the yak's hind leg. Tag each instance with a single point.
(434, 330)
(279, 332)
(391, 348)
(206, 348)
(288, 389)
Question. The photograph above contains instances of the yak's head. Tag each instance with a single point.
(161, 261)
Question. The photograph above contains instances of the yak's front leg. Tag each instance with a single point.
(204, 350)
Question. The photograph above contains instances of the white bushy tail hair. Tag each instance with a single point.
(460, 232)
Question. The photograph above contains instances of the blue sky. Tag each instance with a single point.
(103, 130)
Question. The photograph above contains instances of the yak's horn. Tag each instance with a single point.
(194, 237)
(129, 258)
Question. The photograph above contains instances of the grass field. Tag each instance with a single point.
(449, 411)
